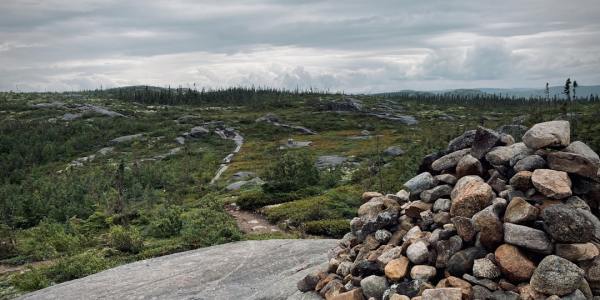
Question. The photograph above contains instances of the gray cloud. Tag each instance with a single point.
(349, 45)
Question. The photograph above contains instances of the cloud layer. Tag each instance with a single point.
(342, 45)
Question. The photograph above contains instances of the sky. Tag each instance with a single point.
(352, 46)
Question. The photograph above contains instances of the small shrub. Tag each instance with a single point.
(47, 240)
(293, 171)
(78, 266)
(252, 199)
(206, 227)
(165, 222)
(125, 239)
(332, 228)
(95, 222)
(31, 280)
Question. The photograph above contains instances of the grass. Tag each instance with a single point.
(170, 207)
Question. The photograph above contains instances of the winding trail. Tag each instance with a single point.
(239, 141)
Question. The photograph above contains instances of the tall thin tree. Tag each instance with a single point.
(567, 90)
(547, 91)
(575, 85)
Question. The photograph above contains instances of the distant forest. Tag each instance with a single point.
(250, 96)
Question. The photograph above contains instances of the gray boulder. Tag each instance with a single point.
(568, 225)
(420, 183)
(393, 151)
(556, 276)
(548, 134)
(527, 237)
(330, 161)
(127, 138)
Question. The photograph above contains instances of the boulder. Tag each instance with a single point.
(577, 252)
(556, 276)
(397, 269)
(420, 183)
(521, 181)
(393, 151)
(573, 163)
(462, 261)
(551, 183)
(463, 141)
(520, 211)
(584, 150)
(527, 237)
(470, 195)
(449, 161)
(530, 163)
(442, 293)
(485, 268)
(417, 252)
(431, 195)
(513, 264)
(423, 272)
(548, 134)
(374, 286)
(567, 225)
(503, 155)
(483, 141)
(468, 165)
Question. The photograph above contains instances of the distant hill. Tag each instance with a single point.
(555, 91)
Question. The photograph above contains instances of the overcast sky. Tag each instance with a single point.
(345, 45)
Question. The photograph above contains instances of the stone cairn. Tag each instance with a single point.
(486, 219)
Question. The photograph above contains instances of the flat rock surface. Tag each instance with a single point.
(266, 269)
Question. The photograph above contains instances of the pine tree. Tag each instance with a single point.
(547, 91)
(567, 90)
(575, 85)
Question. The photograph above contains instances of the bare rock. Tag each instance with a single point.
(530, 163)
(449, 161)
(483, 141)
(419, 183)
(520, 211)
(513, 264)
(573, 163)
(577, 252)
(551, 183)
(468, 165)
(556, 276)
(568, 225)
(548, 134)
(442, 293)
(397, 269)
(470, 195)
(527, 237)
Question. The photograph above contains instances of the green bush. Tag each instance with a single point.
(47, 240)
(292, 171)
(252, 199)
(333, 228)
(205, 227)
(31, 280)
(338, 203)
(95, 222)
(77, 266)
(165, 222)
(125, 239)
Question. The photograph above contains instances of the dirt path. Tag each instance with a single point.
(7, 269)
(250, 222)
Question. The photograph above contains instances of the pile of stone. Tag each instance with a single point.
(488, 219)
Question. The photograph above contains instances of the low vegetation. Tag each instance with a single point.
(68, 210)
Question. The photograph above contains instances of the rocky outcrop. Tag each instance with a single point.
(488, 219)
(275, 121)
(243, 270)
